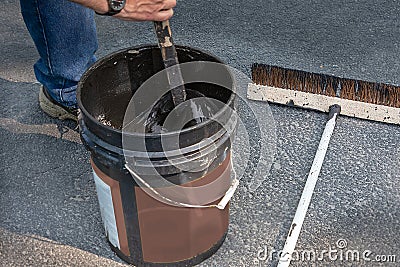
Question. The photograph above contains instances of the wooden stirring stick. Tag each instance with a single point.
(170, 59)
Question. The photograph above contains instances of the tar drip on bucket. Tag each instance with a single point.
(142, 229)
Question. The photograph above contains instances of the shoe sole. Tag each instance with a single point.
(54, 110)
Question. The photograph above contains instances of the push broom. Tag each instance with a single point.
(321, 92)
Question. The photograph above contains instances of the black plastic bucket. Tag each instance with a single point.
(139, 228)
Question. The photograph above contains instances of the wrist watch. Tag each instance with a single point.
(114, 7)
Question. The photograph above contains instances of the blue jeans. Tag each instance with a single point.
(64, 34)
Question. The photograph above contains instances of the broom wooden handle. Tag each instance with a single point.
(170, 59)
(308, 190)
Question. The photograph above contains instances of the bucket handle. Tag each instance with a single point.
(221, 205)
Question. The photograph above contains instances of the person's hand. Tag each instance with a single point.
(147, 10)
(137, 10)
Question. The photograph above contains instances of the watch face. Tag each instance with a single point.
(117, 5)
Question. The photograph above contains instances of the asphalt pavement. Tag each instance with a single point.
(49, 215)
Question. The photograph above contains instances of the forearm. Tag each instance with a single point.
(137, 10)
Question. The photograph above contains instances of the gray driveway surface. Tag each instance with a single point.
(49, 214)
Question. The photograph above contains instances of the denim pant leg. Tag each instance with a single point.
(64, 34)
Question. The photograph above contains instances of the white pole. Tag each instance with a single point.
(294, 232)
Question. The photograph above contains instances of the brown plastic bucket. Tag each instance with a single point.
(139, 228)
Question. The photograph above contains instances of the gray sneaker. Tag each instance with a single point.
(55, 109)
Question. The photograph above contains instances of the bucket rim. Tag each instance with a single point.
(138, 48)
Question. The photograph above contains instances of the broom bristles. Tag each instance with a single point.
(323, 84)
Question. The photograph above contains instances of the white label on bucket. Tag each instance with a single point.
(107, 210)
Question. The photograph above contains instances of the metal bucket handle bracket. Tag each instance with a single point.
(221, 205)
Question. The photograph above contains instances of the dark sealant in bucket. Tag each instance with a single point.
(139, 228)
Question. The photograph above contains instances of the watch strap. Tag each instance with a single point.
(109, 13)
